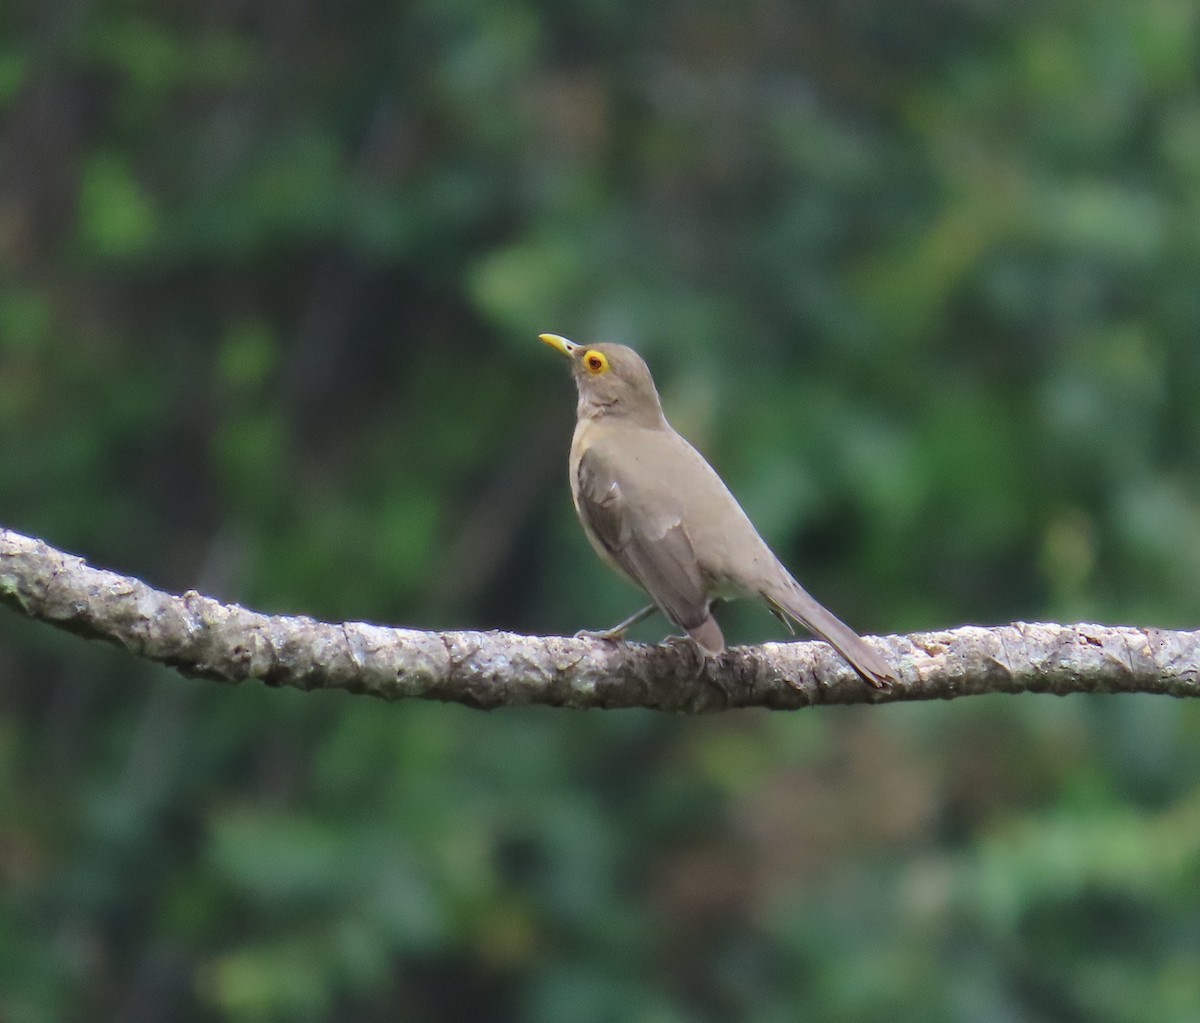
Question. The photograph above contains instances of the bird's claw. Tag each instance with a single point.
(687, 645)
(607, 635)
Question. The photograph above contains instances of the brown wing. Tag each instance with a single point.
(655, 552)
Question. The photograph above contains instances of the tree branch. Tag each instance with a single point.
(203, 638)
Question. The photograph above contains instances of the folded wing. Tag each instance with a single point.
(655, 551)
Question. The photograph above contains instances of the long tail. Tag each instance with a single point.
(790, 598)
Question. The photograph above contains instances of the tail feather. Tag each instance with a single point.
(794, 601)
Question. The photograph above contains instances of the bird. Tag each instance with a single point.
(657, 512)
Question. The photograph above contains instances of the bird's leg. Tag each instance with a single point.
(617, 632)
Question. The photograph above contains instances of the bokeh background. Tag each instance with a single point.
(922, 279)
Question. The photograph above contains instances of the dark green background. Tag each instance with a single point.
(922, 279)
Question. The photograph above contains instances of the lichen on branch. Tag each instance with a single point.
(201, 637)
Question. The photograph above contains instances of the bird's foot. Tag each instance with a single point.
(608, 635)
(694, 651)
(683, 642)
(617, 633)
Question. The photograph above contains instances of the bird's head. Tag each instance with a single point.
(612, 380)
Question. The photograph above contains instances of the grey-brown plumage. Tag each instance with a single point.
(655, 510)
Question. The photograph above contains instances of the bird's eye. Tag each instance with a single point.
(596, 363)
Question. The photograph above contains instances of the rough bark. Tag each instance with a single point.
(204, 638)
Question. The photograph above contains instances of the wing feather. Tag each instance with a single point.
(656, 553)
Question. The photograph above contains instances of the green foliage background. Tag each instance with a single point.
(921, 278)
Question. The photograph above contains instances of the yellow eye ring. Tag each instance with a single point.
(595, 362)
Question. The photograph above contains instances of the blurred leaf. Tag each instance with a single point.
(116, 216)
